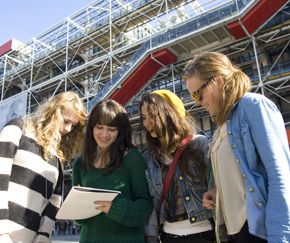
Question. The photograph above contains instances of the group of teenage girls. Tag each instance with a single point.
(182, 188)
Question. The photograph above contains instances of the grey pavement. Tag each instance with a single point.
(65, 238)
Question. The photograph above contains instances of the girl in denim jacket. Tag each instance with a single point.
(249, 152)
(182, 217)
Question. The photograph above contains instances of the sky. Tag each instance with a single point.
(24, 19)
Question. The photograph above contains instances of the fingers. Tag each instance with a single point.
(207, 200)
(209, 204)
(103, 206)
(99, 207)
(101, 203)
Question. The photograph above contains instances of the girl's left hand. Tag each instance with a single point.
(103, 205)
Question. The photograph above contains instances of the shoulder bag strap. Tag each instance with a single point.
(172, 169)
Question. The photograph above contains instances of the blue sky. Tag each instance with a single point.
(24, 19)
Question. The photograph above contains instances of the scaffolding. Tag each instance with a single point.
(95, 50)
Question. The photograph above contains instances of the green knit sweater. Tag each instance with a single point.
(124, 221)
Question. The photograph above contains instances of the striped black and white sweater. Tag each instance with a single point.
(30, 186)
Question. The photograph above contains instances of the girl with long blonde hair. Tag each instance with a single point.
(33, 151)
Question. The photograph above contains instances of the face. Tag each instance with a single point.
(105, 135)
(70, 118)
(148, 122)
(209, 96)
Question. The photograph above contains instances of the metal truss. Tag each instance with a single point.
(85, 51)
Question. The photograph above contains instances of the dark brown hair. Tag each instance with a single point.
(173, 129)
(110, 113)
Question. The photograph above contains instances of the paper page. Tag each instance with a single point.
(79, 203)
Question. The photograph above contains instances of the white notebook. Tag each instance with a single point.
(79, 203)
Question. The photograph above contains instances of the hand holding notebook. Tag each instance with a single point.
(79, 203)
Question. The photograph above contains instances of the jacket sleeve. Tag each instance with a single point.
(9, 142)
(132, 213)
(151, 223)
(203, 145)
(267, 131)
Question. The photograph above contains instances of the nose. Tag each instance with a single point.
(68, 128)
(147, 121)
(105, 133)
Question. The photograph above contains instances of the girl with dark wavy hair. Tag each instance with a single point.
(181, 217)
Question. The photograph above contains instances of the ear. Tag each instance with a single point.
(220, 81)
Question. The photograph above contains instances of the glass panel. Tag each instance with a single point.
(161, 39)
(213, 17)
(134, 110)
(144, 47)
(202, 21)
(285, 67)
(191, 26)
(171, 35)
(154, 41)
(115, 79)
(181, 30)
(225, 12)
(233, 8)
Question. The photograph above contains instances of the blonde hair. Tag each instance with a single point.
(208, 65)
(47, 120)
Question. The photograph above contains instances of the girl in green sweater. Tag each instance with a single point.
(110, 161)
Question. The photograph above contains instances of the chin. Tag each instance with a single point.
(212, 113)
(153, 135)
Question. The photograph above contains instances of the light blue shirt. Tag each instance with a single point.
(257, 135)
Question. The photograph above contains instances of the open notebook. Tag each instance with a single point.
(79, 203)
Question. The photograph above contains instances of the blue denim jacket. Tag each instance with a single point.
(192, 198)
(256, 132)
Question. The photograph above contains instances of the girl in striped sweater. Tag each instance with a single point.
(32, 153)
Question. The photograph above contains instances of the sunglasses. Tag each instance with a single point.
(197, 94)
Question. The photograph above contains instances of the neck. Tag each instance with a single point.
(100, 151)
(101, 160)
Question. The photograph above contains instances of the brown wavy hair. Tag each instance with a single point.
(47, 120)
(208, 65)
(110, 113)
(173, 129)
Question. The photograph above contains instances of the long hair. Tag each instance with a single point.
(109, 113)
(47, 120)
(172, 129)
(208, 65)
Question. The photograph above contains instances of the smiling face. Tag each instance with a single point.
(210, 96)
(148, 122)
(105, 135)
(70, 118)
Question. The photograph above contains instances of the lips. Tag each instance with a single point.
(104, 140)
